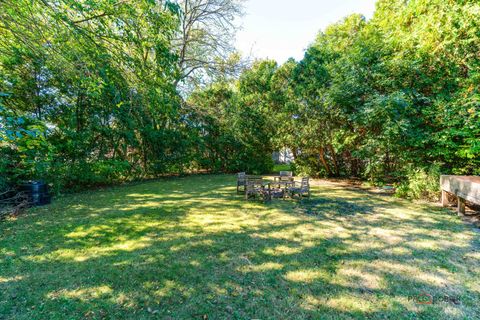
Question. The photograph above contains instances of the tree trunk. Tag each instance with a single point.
(334, 158)
(354, 167)
(294, 153)
(324, 161)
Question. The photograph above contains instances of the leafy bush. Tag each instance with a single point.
(421, 184)
(96, 173)
(24, 149)
(307, 165)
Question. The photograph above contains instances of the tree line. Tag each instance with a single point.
(92, 92)
(392, 99)
(96, 92)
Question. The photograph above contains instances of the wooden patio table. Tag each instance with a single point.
(282, 185)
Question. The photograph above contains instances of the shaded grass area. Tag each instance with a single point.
(186, 248)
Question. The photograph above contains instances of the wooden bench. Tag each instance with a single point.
(463, 187)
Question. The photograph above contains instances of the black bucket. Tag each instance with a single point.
(37, 192)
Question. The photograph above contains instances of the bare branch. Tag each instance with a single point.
(206, 35)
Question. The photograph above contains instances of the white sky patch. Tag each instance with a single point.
(280, 29)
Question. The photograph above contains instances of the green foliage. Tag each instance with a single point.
(103, 83)
(307, 165)
(421, 184)
(234, 129)
(96, 82)
(370, 99)
(373, 98)
(23, 146)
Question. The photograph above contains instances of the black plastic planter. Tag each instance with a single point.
(37, 192)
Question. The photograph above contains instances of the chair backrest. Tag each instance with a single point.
(253, 182)
(286, 174)
(305, 184)
(241, 176)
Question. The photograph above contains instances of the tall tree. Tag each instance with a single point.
(205, 40)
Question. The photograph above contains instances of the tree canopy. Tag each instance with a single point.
(98, 92)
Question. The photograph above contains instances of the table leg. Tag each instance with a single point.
(461, 206)
(444, 198)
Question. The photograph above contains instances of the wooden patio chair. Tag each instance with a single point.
(255, 187)
(284, 181)
(300, 188)
(241, 181)
(286, 176)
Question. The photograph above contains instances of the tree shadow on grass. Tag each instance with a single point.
(201, 250)
(323, 207)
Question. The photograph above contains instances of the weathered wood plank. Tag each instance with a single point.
(464, 187)
(461, 206)
(444, 198)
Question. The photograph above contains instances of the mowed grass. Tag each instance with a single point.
(190, 248)
(281, 167)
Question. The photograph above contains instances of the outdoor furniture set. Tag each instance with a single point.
(283, 185)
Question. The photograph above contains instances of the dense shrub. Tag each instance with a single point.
(307, 165)
(421, 184)
(371, 97)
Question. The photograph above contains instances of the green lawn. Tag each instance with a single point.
(281, 167)
(190, 248)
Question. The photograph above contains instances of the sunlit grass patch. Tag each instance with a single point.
(183, 249)
(305, 276)
(82, 294)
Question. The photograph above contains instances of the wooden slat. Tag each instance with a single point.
(465, 187)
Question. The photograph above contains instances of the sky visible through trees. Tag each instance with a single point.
(281, 29)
